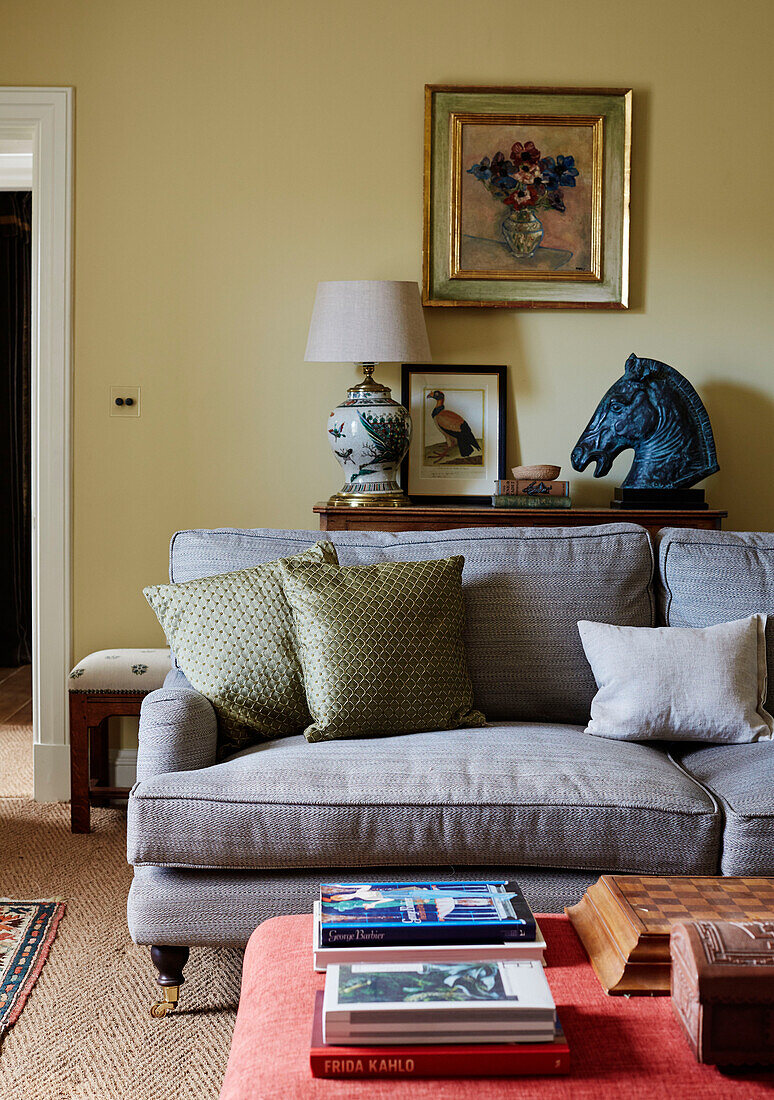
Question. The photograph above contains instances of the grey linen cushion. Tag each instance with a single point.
(532, 794)
(232, 635)
(679, 683)
(709, 577)
(524, 588)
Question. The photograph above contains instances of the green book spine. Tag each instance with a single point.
(501, 501)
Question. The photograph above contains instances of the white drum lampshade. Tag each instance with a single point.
(368, 321)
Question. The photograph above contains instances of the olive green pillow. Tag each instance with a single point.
(232, 635)
(381, 647)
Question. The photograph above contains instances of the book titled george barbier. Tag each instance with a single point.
(504, 500)
(397, 913)
(436, 1060)
(323, 957)
(532, 488)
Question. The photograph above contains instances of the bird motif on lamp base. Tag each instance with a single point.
(455, 430)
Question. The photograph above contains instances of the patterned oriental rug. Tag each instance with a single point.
(27, 930)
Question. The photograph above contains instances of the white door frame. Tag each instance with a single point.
(46, 115)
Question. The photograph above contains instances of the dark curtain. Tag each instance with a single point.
(15, 510)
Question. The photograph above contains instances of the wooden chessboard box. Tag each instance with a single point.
(625, 921)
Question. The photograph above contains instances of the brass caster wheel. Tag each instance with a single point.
(162, 1008)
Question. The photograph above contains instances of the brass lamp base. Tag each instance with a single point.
(369, 500)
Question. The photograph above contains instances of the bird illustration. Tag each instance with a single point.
(455, 430)
(346, 456)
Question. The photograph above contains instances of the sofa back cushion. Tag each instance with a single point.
(525, 590)
(709, 577)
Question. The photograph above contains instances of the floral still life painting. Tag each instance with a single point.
(526, 197)
(540, 204)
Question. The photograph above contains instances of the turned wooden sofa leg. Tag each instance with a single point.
(169, 961)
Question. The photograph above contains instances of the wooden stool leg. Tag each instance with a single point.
(79, 765)
(99, 759)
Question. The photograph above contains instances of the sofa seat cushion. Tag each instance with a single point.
(518, 793)
(524, 588)
(742, 778)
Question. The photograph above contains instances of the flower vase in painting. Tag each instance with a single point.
(526, 183)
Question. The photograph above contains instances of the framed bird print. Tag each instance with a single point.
(457, 448)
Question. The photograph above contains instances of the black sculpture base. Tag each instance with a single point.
(659, 498)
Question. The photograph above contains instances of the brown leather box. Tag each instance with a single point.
(723, 989)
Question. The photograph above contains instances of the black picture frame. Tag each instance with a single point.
(496, 469)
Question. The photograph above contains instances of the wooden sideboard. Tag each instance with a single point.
(446, 517)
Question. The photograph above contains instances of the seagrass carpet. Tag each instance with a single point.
(85, 1031)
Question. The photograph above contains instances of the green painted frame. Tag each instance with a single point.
(611, 289)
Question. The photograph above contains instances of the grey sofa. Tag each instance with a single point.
(218, 847)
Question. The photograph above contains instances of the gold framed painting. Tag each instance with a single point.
(526, 197)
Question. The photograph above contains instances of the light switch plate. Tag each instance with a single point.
(124, 393)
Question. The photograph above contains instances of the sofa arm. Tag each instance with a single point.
(178, 730)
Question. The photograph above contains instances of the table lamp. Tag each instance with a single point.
(368, 321)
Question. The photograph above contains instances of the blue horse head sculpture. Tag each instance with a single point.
(657, 412)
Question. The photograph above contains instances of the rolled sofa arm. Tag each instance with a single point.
(178, 730)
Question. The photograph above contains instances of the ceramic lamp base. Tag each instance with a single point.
(369, 435)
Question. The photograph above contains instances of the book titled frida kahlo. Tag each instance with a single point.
(392, 913)
(479, 1059)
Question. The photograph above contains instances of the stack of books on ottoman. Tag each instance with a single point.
(432, 980)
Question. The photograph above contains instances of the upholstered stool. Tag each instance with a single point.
(107, 684)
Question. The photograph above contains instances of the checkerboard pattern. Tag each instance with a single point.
(661, 902)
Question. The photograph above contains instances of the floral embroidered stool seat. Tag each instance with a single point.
(106, 684)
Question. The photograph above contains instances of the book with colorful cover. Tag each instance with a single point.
(532, 488)
(393, 913)
(421, 1003)
(323, 957)
(436, 1060)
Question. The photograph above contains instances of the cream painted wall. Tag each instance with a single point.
(230, 155)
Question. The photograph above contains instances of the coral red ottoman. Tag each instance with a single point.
(619, 1046)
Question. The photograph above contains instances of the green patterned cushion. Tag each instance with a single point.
(232, 635)
(381, 647)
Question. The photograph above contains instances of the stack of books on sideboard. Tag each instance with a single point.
(531, 493)
(434, 979)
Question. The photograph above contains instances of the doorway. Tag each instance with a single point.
(15, 475)
(42, 118)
